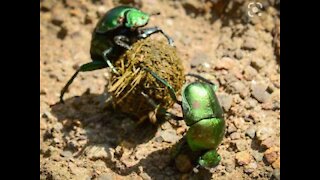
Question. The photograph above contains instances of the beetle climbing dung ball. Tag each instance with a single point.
(128, 88)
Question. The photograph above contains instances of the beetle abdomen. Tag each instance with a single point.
(206, 134)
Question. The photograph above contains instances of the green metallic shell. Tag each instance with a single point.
(199, 101)
(112, 19)
(206, 134)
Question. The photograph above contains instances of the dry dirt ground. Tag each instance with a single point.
(85, 139)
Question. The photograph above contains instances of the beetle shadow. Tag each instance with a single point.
(158, 165)
(100, 122)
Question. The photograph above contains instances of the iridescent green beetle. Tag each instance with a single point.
(203, 113)
(116, 31)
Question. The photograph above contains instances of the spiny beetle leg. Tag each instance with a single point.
(91, 66)
(144, 33)
(171, 90)
(105, 57)
(122, 41)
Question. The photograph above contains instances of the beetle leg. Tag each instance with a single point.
(171, 90)
(209, 159)
(91, 66)
(122, 41)
(144, 33)
(160, 109)
(105, 57)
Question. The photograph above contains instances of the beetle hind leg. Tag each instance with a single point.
(209, 159)
(91, 66)
(105, 57)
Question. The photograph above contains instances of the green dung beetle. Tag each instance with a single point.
(204, 116)
(116, 31)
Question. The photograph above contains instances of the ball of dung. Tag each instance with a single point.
(127, 89)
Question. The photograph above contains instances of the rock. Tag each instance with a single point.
(235, 135)
(251, 103)
(238, 54)
(241, 145)
(251, 132)
(272, 154)
(257, 63)
(105, 176)
(263, 132)
(249, 43)
(276, 174)
(231, 128)
(200, 58)
(259, 92)
(58, 15)
(183, 163)
(243, 158)
(251, 167)
(250, 73)
(257, 156)
(229, 164)
(47, 115)
(268, 143)
(225, 63)
(238, 87)
(276, 164)
(239, 123)
(66, 154)
(169, 136)
(225, 101)
(95, 152)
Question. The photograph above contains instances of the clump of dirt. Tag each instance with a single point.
(127, 88)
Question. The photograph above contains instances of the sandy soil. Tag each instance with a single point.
(85, 139)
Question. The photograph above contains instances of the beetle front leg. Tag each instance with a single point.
(105, 57)
(144, 33)
(171, 90)
(122, 41)
(91, 66)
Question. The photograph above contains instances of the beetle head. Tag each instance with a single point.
(136, 18)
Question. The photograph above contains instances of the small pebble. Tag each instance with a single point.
(238, 54)
(251, 132)
(235, 135)
(257, 156)
(96, 152)
(276, 164)
(251, 167)
(263, 132)
(231, 128)
(272, 154)
(238, 87)
(249, 43)
(276, 174)
(268, 143)
(259, 92)
(225, 101)
(169, 136)
(250, 73)
(241, 145)
(243, 158)
(105, 176)
(225, 63)
(258, 63)
(66, 154)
